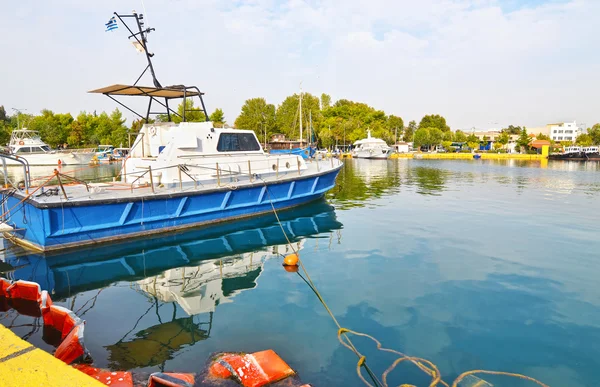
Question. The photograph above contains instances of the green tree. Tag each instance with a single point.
(449, 136)
(594, 133)
(473, 141)
(421, 138)
(218, 118)
(288, 115)
(542, 136)
(447, 146)
(192, 113)
(435, 136)
(77, 134)
(460, 136)
(325, 101)
(523, 140)
(511, 129)
(584, 140)
(350, 120)
(503, 139)
(259, 116)
(409, 131)
(395, 125)
(434, 121)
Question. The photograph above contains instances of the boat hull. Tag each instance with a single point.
(54, 159)
(77, 224)
(370, 155)
(575, 157)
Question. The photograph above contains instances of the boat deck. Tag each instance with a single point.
(53, 196)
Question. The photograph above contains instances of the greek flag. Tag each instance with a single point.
(112, 24)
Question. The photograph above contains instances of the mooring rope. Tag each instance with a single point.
(423, 364)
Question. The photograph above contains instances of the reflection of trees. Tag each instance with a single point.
(430, 181)
(360, 180)
(157, 344)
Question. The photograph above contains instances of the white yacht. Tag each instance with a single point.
(27, 144)
(371, 148)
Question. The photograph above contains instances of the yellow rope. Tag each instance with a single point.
(423, 364)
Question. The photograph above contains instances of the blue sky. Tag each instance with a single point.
(477, 62)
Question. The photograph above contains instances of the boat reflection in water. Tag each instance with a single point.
(196, 270)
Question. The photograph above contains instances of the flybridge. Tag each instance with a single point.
(157, 95)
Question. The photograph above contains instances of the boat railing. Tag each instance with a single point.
(219, 172)
(7, 181)
(75, 150)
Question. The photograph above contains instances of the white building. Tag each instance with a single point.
(564, 131)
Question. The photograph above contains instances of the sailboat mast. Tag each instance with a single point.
(310, 128)
(300, 113)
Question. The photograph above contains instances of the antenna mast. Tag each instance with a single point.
(142, 42)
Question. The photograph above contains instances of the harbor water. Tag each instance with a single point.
(471, 264)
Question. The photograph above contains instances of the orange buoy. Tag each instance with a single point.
(59, 162)
(72, 347)
(252, 370)
(107, 377)
(291, 260)
(291, 268)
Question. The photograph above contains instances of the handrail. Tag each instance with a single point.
(21, 161)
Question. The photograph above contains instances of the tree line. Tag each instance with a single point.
(333, 124)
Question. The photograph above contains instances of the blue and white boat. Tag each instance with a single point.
(177, 176)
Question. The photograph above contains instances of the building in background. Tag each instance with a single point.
(564, 131)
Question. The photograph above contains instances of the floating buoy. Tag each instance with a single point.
(107, 377)
(251, 370)
(169, 379)
(59, 162)
(290, 260)
(291, 268)
(72, 347)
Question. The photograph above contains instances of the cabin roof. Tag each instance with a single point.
(176, 91)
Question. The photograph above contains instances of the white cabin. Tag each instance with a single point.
(203, 151)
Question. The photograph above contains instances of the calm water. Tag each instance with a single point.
(470, 264)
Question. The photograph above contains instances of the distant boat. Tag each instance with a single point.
(300, 147)
(371, 148)
(108, 153)
(27, 144)
(577, 153)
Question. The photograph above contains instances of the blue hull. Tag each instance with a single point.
(72, 272)
(304, 152)
(72, 224)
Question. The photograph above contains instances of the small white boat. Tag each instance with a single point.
(27, 144)
(371, 148)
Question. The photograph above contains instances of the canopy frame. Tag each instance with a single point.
(156, 92)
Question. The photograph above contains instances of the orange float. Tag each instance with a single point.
(170, 379)
(72, 347)
(61, 319)
(291, 260)
(107, 377)
(25, 290)
(4, 284)
(252, 370)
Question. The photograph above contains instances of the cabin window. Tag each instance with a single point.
(46, 148)
(237, 142)
(25, 149)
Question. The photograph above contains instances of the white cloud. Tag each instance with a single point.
(474, 61)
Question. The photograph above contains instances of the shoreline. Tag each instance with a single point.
(467, 156)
